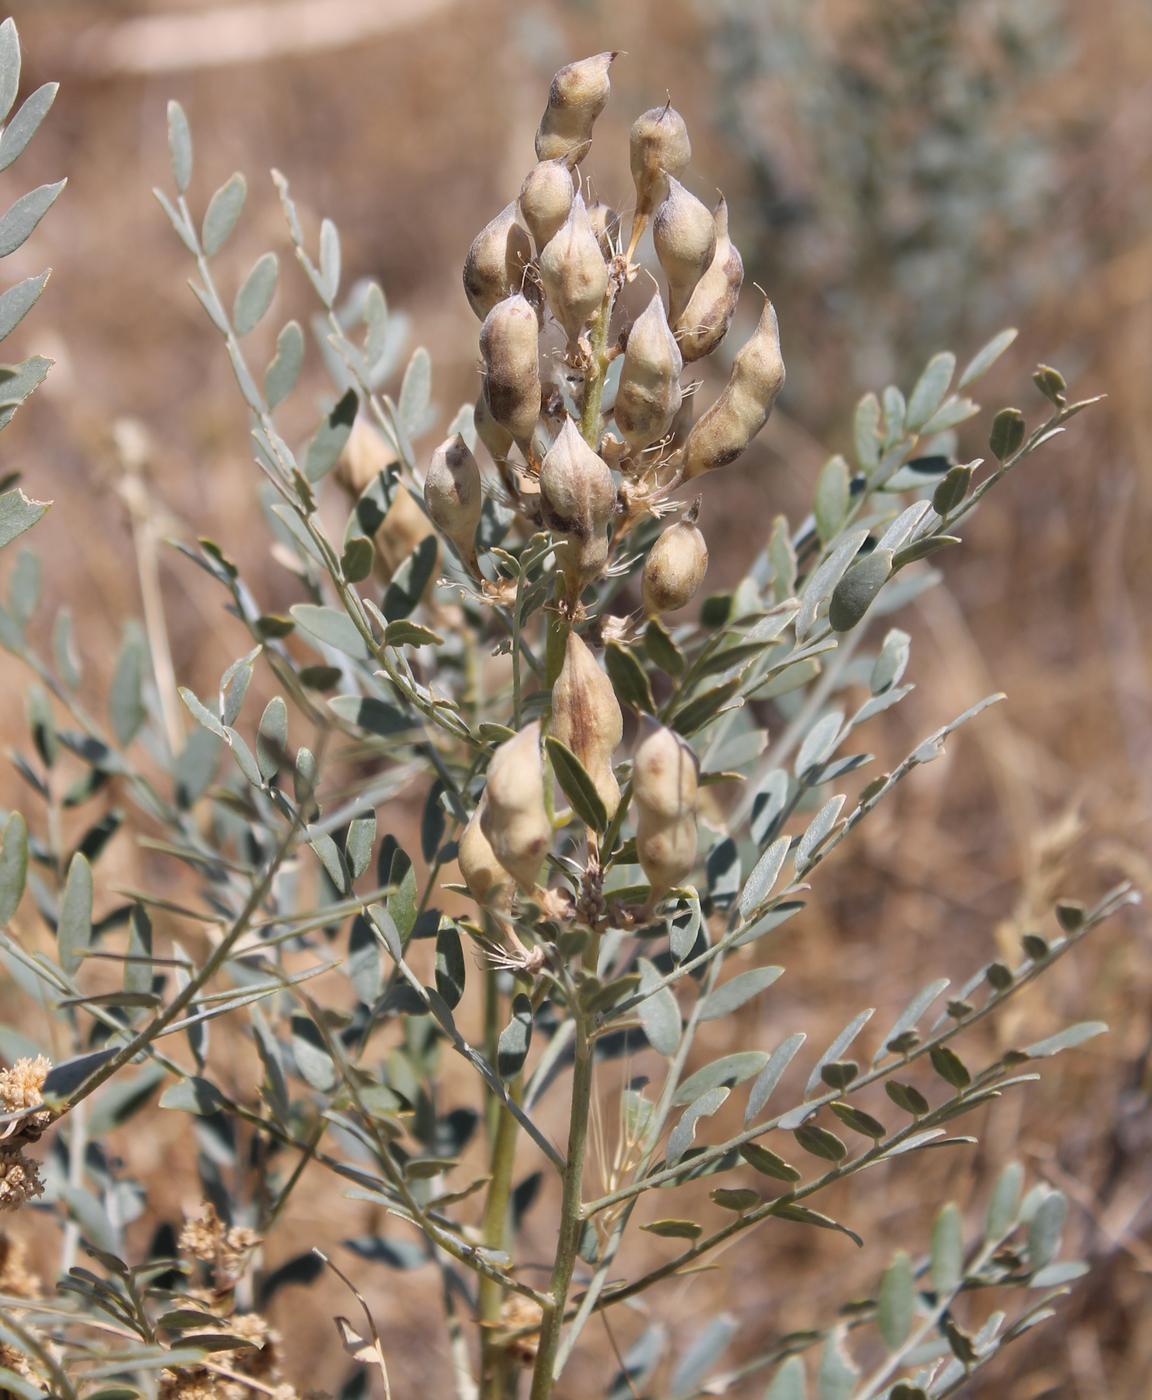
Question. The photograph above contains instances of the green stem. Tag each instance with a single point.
(571, 1223)
(494, 1371)
(590, 423)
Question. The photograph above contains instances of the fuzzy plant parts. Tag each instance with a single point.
(626, 788)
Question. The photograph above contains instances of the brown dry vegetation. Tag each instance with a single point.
(411, 137)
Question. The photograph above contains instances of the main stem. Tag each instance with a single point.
(495, 1379)
(571, 1224)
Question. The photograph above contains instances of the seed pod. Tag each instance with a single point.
(606, 226)
(496, 261)
(658, 147)
(577, 498)
(704, 322)
(509, 346)
(675, 567)
(586, 717)
(363, 457)
(545, 199)
(495, 437)
(684, 233)
(579, 93)
(454, 495)
(485, 877)
(664, 789)
(726, 428)
(403, 529)
(513, 816)
(649, 395)
(573, 271)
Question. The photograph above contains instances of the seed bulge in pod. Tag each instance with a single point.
(509, 346)
(675, 567)
(648, 396)
(586, 717)
(496, 261)
(454, 496)
(726, 427)
(664, 789)
(579, 93)
(513, 817)
(545, 199)
(486, 878)
(658, 147)
(704, 322)
(577, 498)
(573, 271)
(684, 233)
(365, 454)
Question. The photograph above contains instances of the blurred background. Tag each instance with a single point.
(903, 176)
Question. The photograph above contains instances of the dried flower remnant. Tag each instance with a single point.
(21, 1087)
(206, 1237)
(16, 1276)
(20, 1180)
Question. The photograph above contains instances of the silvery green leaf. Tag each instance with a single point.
(17, 301)
(223, 212)
(415, 393)
(782, 556)
(769, 801)
(255, 295)
(684, 929)
(1045, 1229)
(728, 1070)
(18, 513)
(18, 223)
(1066, 1039)
(183, 228)
(74, 930)
(126, 708)
(20, 381)
(832, 497)
(857, 590)
(947, 1251)
(359, 842)
(704, 1105)
(272, 738)
(770, 1076)
(702, 1353)
(659, 1012)
(211, 304)
(866, 433)
(332, 626)
(895, 410)
(824, 579)
(1005, 1202)
(837, 1376)
(451, 967)
(789, 1382)
(9, 66)
(244, 757)
(64, 650)
(891, 663)
(329, 439)
(179, 146)
(911, 1014)
(515, 1038)
(930, 389)
(723, 872)
(950, 415)
(234, 685)
(201, 713)
(13, 865)
(764, 875)
(407, 585)
(1057, 1275)
(817, 832)
(311, 1054)
(836, 1050)
(329, 261)
(640, 1362)
(901, 530)
(23, 126)
(896, 1304)
(986, 357)
(819, 743)
(731, 995)
(284, 370)
(138, 971)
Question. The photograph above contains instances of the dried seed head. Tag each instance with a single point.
(726, 428)
(658, 147)
(514, 817)
(19, 1180)
(664, 789)
(545, 199)
(486, 878)
(579, 93)
(648, 397)
(509, 346)
(605, 223)
(496, 261)
(573, 271)
(454, 496)
(577, 498)
(675, 568)
(586, 717)
(684, 233)
(704, 322)
(363, 457)
(403, 529)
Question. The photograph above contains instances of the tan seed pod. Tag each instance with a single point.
(586, 717)
(658, 147)
(496, 261)
(605, 223)
(363, 457)
(573, 271)
(579, 93)
(454, 495)
(648, 396)
(546, 198)
(684, 233)
(675, 567)
(664, 789)
(514, 818)
(704, 322)
(577, 498)
(403, 529)
(486, 878)
(726, 427)
(495, 437)
(509, 346)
